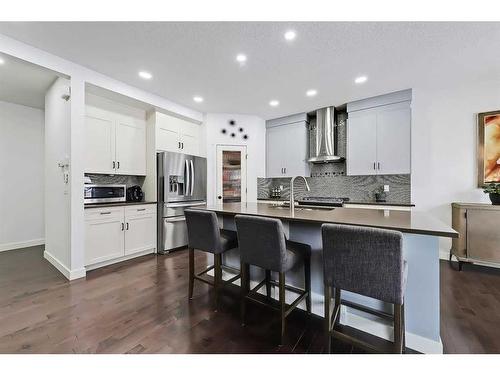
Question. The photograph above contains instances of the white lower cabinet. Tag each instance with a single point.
(140, 228)
(114, 232)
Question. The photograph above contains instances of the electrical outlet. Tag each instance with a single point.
(281, 187)
(386, 188)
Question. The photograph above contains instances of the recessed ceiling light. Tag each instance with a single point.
(145, 75)
(241, 58)
(311, 92)
(290, 35)
(2, 61)
(198, 99)
(274, 103)
(360, 79)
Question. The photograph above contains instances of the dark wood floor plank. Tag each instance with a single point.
(141, 306)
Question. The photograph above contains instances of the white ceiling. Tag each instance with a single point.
(24, 83)
(198, 58)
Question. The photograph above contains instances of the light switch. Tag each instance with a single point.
(386, 188)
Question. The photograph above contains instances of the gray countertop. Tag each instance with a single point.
(352, 202)
(96, 205)
(404, 221)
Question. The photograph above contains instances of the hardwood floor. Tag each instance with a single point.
(141, 306)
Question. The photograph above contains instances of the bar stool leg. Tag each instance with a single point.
(191, 272)
(327, 332)
(307, 276)
(217, 277)
(245, 287)
(403, 327)
(268, 283)
(282, 305)
(398, 339)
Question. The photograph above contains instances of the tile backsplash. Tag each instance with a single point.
(116, 179)
(329, 180)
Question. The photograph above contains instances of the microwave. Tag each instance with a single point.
(100, 193)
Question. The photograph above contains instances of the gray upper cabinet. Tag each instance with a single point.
(379, 135)
(287, 149)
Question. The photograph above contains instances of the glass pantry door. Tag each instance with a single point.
(231, 174)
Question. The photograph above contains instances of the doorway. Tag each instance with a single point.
(231, 174)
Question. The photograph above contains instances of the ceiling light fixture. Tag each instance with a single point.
(2, 61)
(290, 35)
(361, 79)
(198, 99)
(241, 58)
(145, 75)
(274, 103)
(311, 92)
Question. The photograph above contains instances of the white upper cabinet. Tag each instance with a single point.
(394, 140)
(99, 142)
(114, 143)
(361, 143)
(131, 146)
(287, 150)
(379, 135)
(177, 135)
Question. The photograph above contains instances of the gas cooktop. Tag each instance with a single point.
(323, 201)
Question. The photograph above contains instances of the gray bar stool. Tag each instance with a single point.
(263, 244)
(204, 234)
(366, 261)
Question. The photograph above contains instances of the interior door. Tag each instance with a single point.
(130, 147)
(362, 143)
(99, 141)
(231, 174)
(394, 139)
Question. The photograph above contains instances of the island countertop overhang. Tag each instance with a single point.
(403, 221)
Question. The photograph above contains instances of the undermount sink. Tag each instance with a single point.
(298, 208)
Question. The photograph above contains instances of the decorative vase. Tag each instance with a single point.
(495, 198)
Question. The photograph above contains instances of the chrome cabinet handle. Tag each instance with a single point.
(179, 145)
(114, 164)
(118, 164)
(123, 227)
(192, 174)
(374, 165)
(141, 209)
(106, 213)
(378, 166)
(127, 226)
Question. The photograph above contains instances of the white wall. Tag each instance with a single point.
(80, 76)
(255, 127)
(21, 176)
(444, 141)
(57, 191)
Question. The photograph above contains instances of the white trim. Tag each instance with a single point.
(69, 274)
(120, 259)
(385, 331)
(20, 245)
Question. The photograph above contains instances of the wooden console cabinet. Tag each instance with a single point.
(478, 225)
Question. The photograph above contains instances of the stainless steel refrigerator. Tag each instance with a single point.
(182, 183)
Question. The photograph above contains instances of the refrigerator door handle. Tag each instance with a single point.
(188, 179)
(192, 177)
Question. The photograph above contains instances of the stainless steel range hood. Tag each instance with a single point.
(323, 138)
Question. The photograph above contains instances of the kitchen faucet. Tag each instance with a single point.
(292, 200)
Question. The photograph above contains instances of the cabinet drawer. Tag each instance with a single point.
(143, 209)
(104, 213)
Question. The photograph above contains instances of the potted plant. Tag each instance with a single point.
(494, 191)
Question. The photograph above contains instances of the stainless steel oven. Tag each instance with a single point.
(101, 193)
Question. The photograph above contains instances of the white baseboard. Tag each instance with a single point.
(385, 331)
(20, 245)
(121, 259)
(69, 274)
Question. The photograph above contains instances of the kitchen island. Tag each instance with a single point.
(421, 251)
